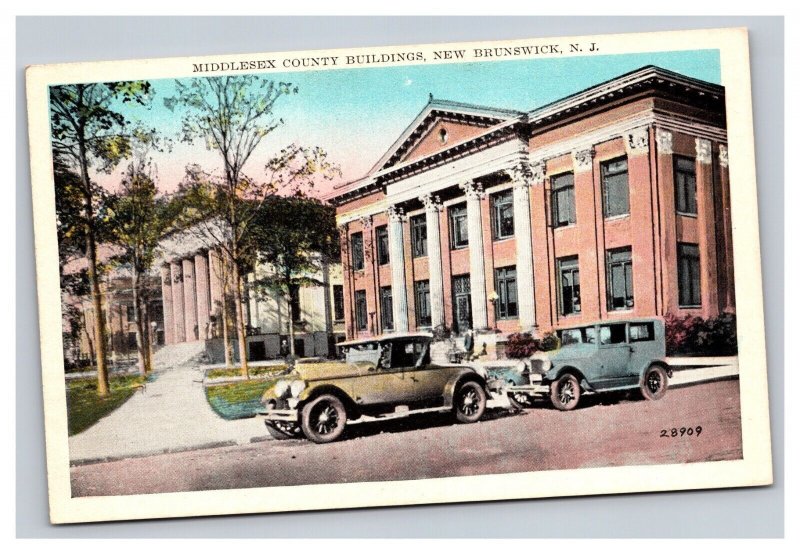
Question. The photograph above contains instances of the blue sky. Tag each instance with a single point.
(356, 114)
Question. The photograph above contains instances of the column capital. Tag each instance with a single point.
(525, 174)
(703, 149)
(637, 141)
(366, 221)
(472, 190)
(396, 213)
(583, 159)
(723, 155)
(664, 141)
(431, 202)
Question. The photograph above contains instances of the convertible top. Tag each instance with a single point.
(387, 337)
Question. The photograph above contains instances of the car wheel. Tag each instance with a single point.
(469, 402)
(565, 392)
(654, 383)
(323, 419)
(283, 430)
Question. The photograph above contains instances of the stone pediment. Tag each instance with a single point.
(440, 125)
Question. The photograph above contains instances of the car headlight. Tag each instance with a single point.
(296, 387)
(280, 388)
(540, 366)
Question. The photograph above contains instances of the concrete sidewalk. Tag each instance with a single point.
(170, 414)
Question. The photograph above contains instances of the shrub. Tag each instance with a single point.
(547, 342)
(520, 345)
(692, 335)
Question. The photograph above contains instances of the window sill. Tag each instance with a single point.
(560, 227)
(502, 239)
(692, 307)
(687, 214)
(618, 217)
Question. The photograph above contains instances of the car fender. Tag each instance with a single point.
(658, 362)
(314, 391)
(557, 371)
(455, 380)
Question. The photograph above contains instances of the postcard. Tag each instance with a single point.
(399, 275)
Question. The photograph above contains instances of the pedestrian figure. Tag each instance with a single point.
(469, 344)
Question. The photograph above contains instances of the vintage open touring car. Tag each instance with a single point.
(379, 378)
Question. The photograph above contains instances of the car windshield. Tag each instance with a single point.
(363, 354)
(583, 335)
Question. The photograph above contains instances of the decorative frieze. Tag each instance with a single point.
(723, 155)
(583, 159)
(637, 141)
(703, 150)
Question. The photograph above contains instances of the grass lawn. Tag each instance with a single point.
(256, 371)
(238, 400)
(84, 407)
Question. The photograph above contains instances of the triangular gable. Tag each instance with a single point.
(423, 136)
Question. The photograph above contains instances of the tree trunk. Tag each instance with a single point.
(291, 325)
(148, 338)
(141, 355)
(94, 281)
(226, 342)
(240, 326)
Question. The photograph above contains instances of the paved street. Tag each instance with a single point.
(604, 431)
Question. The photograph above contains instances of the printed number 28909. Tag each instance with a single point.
(682, 432)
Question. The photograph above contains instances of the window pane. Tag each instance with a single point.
(615, 187)
(387, 317)
(503, 214)
(689, 275)
(382, 240)
(419, 236)
(357, 251)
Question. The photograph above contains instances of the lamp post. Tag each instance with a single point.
(493, 298)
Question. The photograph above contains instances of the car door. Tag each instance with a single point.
(614, 355)
(644, 349)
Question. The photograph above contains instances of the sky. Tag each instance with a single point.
(355, 115)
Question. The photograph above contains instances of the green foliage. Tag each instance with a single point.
(520, 345)
(84, 408)
(523, 345)
(238, 400)
(256, 371)
(695, 336)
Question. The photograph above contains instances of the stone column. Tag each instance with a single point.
(166, 297)
(203, 294)
(432, 207)
(523, 177)
(179, 325)
(706, 231)
(189, 300)
(729, 303)
(474, 192)
(396, 259)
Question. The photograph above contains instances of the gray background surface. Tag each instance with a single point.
(754, 512)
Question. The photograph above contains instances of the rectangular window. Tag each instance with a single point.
(685, 185)
(422, 296)
(612, 334)
(503, 214)
(338, 302)
(357, 251)
(294, 295)
(688, 275)
(570, 289)
(382, 244)
(129, 313)
(387, 318)
(361, 310)
(505, 281)
(419, 236)
(458, 227)
(563, 199)
(619, 274)
(615, 187)
(641, 332)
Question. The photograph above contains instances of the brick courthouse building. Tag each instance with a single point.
(610, 203)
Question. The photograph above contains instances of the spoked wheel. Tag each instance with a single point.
(469, 402)
(565, 392)
(282, 430)
(323, 419)
(654, 383)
